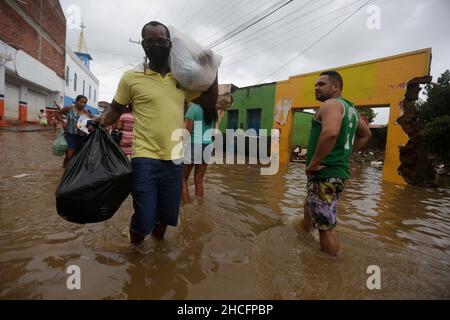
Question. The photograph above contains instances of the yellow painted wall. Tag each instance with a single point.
(379, 82)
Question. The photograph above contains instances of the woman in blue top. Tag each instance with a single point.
(199, 122)
(73, 135)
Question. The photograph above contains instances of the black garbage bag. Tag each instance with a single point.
(96, 181)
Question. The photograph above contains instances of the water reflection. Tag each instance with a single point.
(241, 242)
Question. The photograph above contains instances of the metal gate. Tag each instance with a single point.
(12, 93)
(36, 102)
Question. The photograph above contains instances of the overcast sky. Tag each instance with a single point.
(261, 53)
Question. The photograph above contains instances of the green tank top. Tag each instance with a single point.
(337, 162)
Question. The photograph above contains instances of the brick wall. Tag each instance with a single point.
(20, 34)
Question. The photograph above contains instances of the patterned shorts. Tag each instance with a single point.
(322, 199)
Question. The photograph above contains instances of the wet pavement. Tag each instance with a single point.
(242, 241)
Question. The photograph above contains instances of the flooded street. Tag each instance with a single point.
(241, 242)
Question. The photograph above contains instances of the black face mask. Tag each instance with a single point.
(158, 56)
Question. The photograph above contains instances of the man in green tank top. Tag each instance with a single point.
(337, 131)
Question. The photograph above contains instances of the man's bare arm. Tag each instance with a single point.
(362, 136)
(112, 115)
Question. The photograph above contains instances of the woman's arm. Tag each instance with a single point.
(61, 112)
(189, 126)
(57, 105)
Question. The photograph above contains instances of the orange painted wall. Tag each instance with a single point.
(22, 113)
(380, 82)
(2, 112)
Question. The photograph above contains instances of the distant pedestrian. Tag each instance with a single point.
(74, 136)
(52, 122)
(43, 118)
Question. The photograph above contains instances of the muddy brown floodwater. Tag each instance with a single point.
(241, 242)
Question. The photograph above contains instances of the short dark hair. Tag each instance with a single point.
(81, 97)
(335, 76)
(155, 24)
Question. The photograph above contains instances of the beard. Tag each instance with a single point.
(322, 97)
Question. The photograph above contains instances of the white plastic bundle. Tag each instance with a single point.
(193, 66)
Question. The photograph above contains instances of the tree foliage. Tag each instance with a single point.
(437, 133)
(434, 115)
(438, 100)
(368, 114)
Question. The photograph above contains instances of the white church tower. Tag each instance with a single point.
(79, 78)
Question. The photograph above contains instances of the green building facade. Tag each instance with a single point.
(253, 108)
(302, 128)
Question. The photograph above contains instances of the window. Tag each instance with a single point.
(75, 79)
(95, 95)
(89, 92)
(233, 116)
(254, 119)
(67, 76)
(84, 87)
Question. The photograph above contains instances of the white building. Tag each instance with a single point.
(36, 67)
(79, 78)
(28, 85)
(32, 54)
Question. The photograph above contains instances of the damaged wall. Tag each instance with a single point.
(416, 166)
(225, 99)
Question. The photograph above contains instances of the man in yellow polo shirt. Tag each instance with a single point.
(158, 109)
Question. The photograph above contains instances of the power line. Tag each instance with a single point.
(119, 68)
(285, 32)
(233, 34)
(187, 20)
(239, 18)
(198, 14)
(182, 9)
(108, 52)
(160, 8)
(257, 35)
(217, 17)
(283, 42)
(317, 41)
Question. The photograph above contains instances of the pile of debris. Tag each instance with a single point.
(368, 156)
(299, 154)
(442, 176)
(374, 157)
